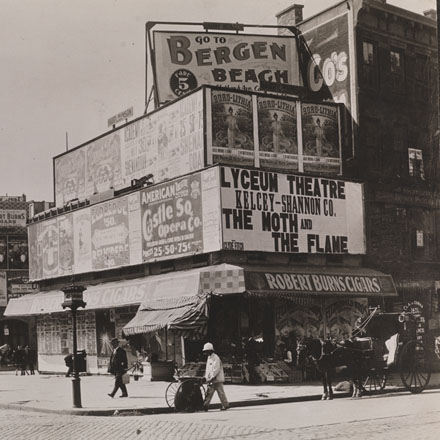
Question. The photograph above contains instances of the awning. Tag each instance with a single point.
(183, 315)
(219, 279)
(318, 281)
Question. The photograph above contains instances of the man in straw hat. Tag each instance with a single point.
(215, 377)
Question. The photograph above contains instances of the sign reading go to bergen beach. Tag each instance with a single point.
(268, 211)
(186, 60)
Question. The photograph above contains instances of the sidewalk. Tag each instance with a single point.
(50, 393)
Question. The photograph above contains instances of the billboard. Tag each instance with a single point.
(176, 218)
(179, 217)
(166, 143)
(185, 60)
(288, 213)
(232, 128)
(10, 218)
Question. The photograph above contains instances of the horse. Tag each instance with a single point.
(327, 355)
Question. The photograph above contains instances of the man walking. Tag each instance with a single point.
(118, 366)
(215, 377)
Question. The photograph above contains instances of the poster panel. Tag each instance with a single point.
(82, 241)
(3, 290)
(172, 219)
(135, 228)
(103, 166)
(320, 126)
(50, 248)
(35, 238)
(18, 256)
(70, 176)
(65, 231)
(268, 211)
(3, 253)
(232, 128)
(186, 60)
(110, 234)
(10, 218)
(277, 133)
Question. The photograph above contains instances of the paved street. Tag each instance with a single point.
(392, 416)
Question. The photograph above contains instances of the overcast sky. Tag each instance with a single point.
(69, 65)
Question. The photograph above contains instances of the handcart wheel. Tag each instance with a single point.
(170, 393)
(185, 398)
(375, 381)
(414, 366)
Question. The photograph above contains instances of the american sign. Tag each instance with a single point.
(186, 60)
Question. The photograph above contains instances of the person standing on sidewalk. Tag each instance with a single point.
(215, 377)
(118, 366)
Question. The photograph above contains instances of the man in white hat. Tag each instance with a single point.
(215, 377)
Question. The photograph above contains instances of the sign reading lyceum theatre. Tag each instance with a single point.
(186, 60)
(289, 213)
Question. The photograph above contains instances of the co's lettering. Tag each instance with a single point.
(332, 69)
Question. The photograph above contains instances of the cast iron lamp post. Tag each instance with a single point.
(73, 298)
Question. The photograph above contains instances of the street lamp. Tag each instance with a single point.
(73, 298)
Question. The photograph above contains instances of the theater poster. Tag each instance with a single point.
(50, 248)
(277, 133)
(321, 141)
(65, 231)
(232, 128)
(82, 240)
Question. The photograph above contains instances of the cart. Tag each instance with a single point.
(186, 394)
(394, 347)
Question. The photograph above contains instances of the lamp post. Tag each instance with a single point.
(73, 299)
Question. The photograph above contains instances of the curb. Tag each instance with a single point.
(166, 410)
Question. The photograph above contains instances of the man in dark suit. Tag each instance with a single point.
(118, 366)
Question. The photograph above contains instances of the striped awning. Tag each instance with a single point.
(183, 315)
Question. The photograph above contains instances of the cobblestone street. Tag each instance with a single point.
(386, 417)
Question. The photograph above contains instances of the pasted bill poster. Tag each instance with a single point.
(277, 133)
(50, 248)
(135, 228)
(35, 237)
(110, 234)
(82, 241)
(172, 219)
(66, 244)
(288, 213)
(3, 253)
(70, 176)
(18, 257)
(232, 128)
(186, 60)
(3, 290)
(103, 166)
(321, 146)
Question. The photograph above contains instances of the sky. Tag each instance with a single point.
(68, 66)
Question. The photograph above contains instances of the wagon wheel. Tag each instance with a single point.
(180, 391)
(414, 366)
(170, 393)
(375, 381)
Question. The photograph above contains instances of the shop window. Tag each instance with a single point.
(415, 163)
(369, 64)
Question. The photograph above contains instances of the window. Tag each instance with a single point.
(423, 234)
(369, 74)
(369, 53)
(415, 163)
(396, 62)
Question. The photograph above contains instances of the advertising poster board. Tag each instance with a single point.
(50, 250)
(166, 143)
(82, 241)
(186, 60)
(12, 218)
(110, 242)
(277, 133)
(321, 146)
(3, 253)
(70, 176)
(232, 128)
(18, 257)
(135, 228)
(172, 219)
(3, 290)
(35, 238)
(273, 212)
(65, 231)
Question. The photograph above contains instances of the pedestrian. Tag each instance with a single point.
(215, 377)
(118, 367)
(68, 360)
(29, 359)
